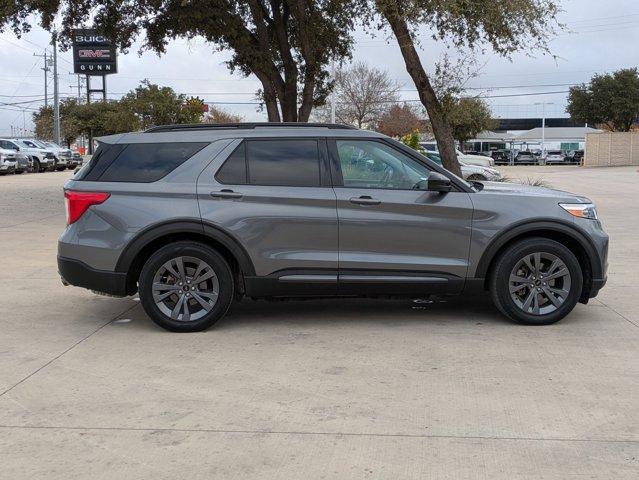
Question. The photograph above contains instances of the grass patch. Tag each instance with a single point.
(534, 182)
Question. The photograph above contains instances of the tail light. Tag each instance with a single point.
(78, 202)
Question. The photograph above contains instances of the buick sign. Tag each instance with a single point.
(93, 54)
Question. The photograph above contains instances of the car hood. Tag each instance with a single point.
(519, 189)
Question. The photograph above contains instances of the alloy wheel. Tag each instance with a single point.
(539, 283)
(185, 288)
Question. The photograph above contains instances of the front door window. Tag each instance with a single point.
(369, 164)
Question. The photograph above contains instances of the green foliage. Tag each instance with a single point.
(141, 108)
(70, 128)
(150, 104)
(217, 115)
(412, 140)
(506, 26)
(467, 117)
(287, 44)
(610, 99)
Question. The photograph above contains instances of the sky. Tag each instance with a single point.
(600, 37)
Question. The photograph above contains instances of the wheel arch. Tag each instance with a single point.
(562, 232)
(138, 251)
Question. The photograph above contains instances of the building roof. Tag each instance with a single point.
(506, 124)
(488, 136)
(556, 134)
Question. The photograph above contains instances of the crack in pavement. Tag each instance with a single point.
(615, 311)
(312, 433)
(68, 350)
(30, 221)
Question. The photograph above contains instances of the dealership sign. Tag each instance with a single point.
(93, 54)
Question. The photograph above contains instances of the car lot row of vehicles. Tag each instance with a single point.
(534, 157)
(19, 155)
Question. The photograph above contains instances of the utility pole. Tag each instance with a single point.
(46, 69)
(56, 98)
(78, 86)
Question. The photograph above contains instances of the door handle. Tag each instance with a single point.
(226, 193)
(365, 200)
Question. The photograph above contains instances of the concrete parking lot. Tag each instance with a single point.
(91, 388)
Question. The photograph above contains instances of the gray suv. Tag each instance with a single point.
(195, 216)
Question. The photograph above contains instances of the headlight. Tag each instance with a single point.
(581, 210)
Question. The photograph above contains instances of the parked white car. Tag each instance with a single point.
(8, 161)
(481, 160)
(554, 157)
(470, 172)
(63, 155)
(479, 173)
(41, 158)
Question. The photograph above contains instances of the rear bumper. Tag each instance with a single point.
(77, 273)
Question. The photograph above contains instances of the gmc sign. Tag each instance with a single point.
(93, 54)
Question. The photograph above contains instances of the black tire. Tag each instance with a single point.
(499, 281)
(193, 250)
(36, 166)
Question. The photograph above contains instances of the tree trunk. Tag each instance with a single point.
(288, 100)
(441, 128)
(307, 100)
(270, 97)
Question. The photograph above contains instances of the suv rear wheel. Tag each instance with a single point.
(186, 287)
(536, 281)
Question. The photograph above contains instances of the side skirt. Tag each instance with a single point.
(295, 283)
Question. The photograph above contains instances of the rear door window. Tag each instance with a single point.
(233, 171)
(293, 163)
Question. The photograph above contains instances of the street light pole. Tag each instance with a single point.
(543, 125)
(56, 99)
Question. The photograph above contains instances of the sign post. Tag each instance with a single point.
(93, 55)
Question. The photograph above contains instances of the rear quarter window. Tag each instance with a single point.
(138, 162)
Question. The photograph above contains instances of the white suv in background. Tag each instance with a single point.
(42, 159)
(8, 161)
(481, 160)
(63, 156)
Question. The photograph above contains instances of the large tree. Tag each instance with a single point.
(286, 44)
(70, 128)
(151, 104)
(506, 26)
(467, 117)
(611, 100)
(361, 94)
(399, 120)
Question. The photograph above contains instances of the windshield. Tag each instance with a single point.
(29, 144)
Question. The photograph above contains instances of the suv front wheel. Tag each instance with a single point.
(536, 281)
(186, 287)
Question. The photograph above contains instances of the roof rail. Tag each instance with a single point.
(244, 126)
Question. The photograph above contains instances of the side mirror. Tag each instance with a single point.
(439, 183)
(17, 149)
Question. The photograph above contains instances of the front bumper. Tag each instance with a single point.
(7, 168)
(77, 273)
